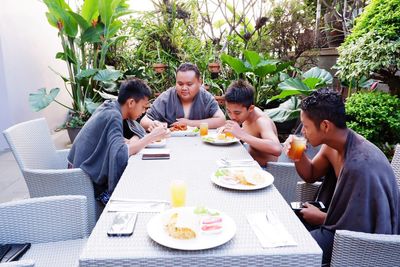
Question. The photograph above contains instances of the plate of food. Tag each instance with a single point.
(219, 139)
(242, 178)
(183, 130)
(191, 228)
(158, 143)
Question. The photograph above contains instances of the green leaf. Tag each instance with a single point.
(284, 94)
(114, 28)
(236, 64)
(86, 73)
(252, 57)
(41, 99)
(110, 87)
(312, 82)
(286, 111)
(282, 66)
(293, 84)
(90, 105)
(81, 21)
(51, 18)
(107, 75)
(59, 11)
(93, 34)
(263, 70)
(106, 10)
(90, 10)
(324, 76)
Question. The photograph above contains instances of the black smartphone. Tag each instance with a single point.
(297, 206)
(123, 224)
(155, 156)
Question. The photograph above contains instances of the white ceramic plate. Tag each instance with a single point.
(191, 131)
(225, 177)
(156, 231)
(212, 139)
(161, 143)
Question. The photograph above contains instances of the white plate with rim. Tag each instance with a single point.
(156, 230)
(227, 177)
(212, 139)
(191, 131)
(160, 143)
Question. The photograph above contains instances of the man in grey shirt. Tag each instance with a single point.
(186, 103)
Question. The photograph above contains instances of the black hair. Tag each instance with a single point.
(133, 88)
(189, 67)
(325, 104)
(240, 92)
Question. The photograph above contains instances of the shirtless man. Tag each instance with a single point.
(186, 103)
(257, 130)
(365, 195)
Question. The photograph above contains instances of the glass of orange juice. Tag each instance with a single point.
(178, 193)
(203, 128)
(297, 147)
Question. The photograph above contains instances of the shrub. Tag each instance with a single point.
(373, 47)
(376, 116)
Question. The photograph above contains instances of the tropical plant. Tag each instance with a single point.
(303, 84)
(262, 73)
(373, 47)
(376, 116)
(86, 36)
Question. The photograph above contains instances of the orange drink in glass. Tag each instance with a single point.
(178, 193)
(203, 129)
(297, 147)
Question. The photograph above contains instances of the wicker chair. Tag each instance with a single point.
(396, 164)
(363, 249)
(286, 179)
(45, 168)
(56, 226)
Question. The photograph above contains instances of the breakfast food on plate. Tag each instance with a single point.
(178, 127)
(211, 224)
(180, 227)
(240, 176)
(221, 136)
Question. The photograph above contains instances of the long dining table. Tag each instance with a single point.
(194, 161)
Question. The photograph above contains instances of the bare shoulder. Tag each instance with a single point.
(264, 122)
(327, 152)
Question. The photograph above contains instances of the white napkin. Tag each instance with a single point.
(270, 232)
(137, 205)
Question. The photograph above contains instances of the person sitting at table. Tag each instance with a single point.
(365, 193)
(257, 130)
(187, 103)
(100, 148)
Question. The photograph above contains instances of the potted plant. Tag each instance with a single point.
(85, 37)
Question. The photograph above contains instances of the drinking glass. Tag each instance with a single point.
(297, 147)
(203, 129)
(178, 193)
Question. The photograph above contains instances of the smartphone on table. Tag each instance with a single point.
(123, 224)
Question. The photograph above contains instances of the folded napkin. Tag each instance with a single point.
(237, 163)
(269, 230)
(137, 205)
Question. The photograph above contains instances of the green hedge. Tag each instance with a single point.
(376, 116)
(381, 17)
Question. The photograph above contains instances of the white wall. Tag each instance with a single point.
(28, 45)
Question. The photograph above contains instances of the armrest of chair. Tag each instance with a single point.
(364, 249)
(42, 220)
(21, 263)
(306, 191)
(54, 182)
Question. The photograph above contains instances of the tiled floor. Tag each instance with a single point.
(12, 183)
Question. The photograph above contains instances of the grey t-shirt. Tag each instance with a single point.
(168, 107)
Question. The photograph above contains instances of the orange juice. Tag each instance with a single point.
(178, 193)
(203, 128)
(297, 147)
